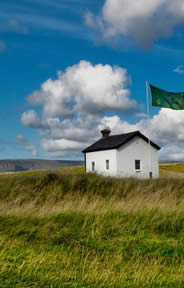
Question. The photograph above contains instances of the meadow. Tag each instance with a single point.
(65, 229)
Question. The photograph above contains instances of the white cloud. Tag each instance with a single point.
(141, 115)
(31, 149)
(27, 145)
(167, 127)
(173, 153)
(31, 119)
(85, 88)
(116, 125)
(79, 128)
(61, 146)
(166, 131)
(73, 105)
(179, 69)
(26, 19)
(142, 21)
(2, 46)
(70, 117)
(70, 136)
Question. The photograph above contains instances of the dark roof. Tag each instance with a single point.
(116, 141)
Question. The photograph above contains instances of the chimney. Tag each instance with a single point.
(105, 133)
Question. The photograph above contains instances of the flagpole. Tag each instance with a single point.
(148, 127)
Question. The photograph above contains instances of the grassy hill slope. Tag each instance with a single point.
(67, 229)
(172, 170)
(14, 165)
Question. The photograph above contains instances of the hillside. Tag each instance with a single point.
(66, 229)
(14, 165)
(175, 170)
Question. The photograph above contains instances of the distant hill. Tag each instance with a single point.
(15, 165)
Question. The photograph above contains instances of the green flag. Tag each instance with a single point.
(166, 99)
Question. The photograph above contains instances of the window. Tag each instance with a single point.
(137, 165)
(93, 166)
(107, 164)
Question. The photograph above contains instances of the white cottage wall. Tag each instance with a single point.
(100, 157)
(136, 149)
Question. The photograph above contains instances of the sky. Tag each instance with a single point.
(69, 68)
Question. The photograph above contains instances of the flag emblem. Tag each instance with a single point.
(162, 98)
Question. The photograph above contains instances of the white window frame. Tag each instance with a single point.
(138, 170)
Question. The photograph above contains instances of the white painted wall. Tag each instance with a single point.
(122, 160)
(137, 149)
(100, 158)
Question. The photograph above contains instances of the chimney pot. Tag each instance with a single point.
(105, 133)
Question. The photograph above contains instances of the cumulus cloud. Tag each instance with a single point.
(2, 46)
(167, 127)
(179, 69)
(31, 119)
(116, 125)
(73, 105)
(61, 147)
(142, 21)
(70, 136)
(166, 130)
(172, 153)
(85, 88)
(66, 137)
(71, 118)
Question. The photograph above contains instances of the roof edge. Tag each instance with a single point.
(134, 134)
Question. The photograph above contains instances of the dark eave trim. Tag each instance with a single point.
(100, 149)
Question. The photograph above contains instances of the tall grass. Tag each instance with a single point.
(75, 230)
(55, 191)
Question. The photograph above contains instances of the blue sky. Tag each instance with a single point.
(104, 56)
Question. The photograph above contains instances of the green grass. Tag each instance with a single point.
(173, 167)
(80, 250)
(67, 229)
(73, 170)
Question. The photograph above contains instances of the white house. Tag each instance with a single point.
(123, 155)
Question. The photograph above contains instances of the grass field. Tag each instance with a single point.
(173, 167)
(67, 229)
(172, 170)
